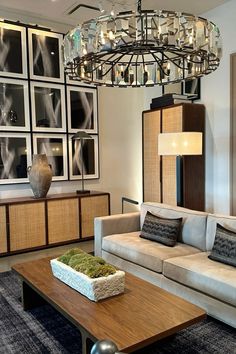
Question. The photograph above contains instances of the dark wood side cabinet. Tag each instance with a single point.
(159, 172)
(29, 224)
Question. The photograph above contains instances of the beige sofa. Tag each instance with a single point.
(184, 269)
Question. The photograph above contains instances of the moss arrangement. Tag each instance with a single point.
(93, 267)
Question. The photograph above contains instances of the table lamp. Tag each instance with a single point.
(81, 135)
(179, 144)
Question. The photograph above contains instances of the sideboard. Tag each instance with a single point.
(28, 224)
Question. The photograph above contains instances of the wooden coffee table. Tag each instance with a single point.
(142, 315)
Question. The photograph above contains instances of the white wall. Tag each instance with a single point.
(120, 129)
(216, 97)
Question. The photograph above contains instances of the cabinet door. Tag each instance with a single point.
(171, 123)
(3, 230)
(92, 207)
(151, 159)
(27, 225)
(63, 220)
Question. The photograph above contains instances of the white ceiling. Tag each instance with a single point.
(57, 10)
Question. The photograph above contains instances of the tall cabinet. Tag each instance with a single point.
(159, 172)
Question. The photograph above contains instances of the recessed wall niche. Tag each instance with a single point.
(40, 108)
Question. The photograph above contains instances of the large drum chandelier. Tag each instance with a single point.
(142, 48)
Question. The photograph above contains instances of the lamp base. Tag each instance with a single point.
(82, 191)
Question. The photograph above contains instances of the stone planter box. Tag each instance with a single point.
(93, 288)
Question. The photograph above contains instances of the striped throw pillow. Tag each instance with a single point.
(165, 231)
(224, 248)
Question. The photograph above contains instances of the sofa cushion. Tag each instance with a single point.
(143, 252)
(193, 225)
(229, 222)
(200, 273)
(161, 230)
(224, 248)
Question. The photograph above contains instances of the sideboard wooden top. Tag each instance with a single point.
(49, 197)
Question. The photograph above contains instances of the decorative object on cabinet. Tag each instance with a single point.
(179, 145)
(13, 57)
(159, 173)
(142, 48)
(40, 175)
(31, 224)
(192, 88)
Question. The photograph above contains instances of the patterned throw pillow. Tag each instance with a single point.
(161, 230)
(224, 248)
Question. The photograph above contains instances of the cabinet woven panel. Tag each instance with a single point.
(3, 231)
(172, 122)
(151, 159)
(63, 220)
(90, 208)
(27, 225)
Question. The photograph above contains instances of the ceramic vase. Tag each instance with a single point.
(40, 175)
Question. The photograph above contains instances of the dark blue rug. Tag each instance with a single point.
(44, 330)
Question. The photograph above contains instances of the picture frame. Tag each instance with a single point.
(14, 105)
(55, 147)
(77, 82)
(45, 62)
(13, 45)
(48, 107)
(82, 109)
(192, 88)
(172, 88)
(90, 158)
(15, 157)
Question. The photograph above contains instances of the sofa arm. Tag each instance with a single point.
(114, 224)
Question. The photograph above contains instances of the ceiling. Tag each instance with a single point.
(57, 10)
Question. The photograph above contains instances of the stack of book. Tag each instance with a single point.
(169, 99)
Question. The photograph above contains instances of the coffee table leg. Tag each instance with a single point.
(29, 297)
(87, 342)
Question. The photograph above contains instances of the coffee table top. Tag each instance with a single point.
(142, 315)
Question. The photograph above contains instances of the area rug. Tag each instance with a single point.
(44, 330)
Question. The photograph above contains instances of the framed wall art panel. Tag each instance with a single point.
(70, 81)
(48, 107)
(192, 88)
(15, 157)
(14, 105)
(55, 147)
(89, 158)
(45, 55)
(13, 58)
(82, 109)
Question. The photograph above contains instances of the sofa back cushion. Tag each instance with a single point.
(193, 231)
(228, 222)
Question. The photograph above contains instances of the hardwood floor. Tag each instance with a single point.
(7, 262)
